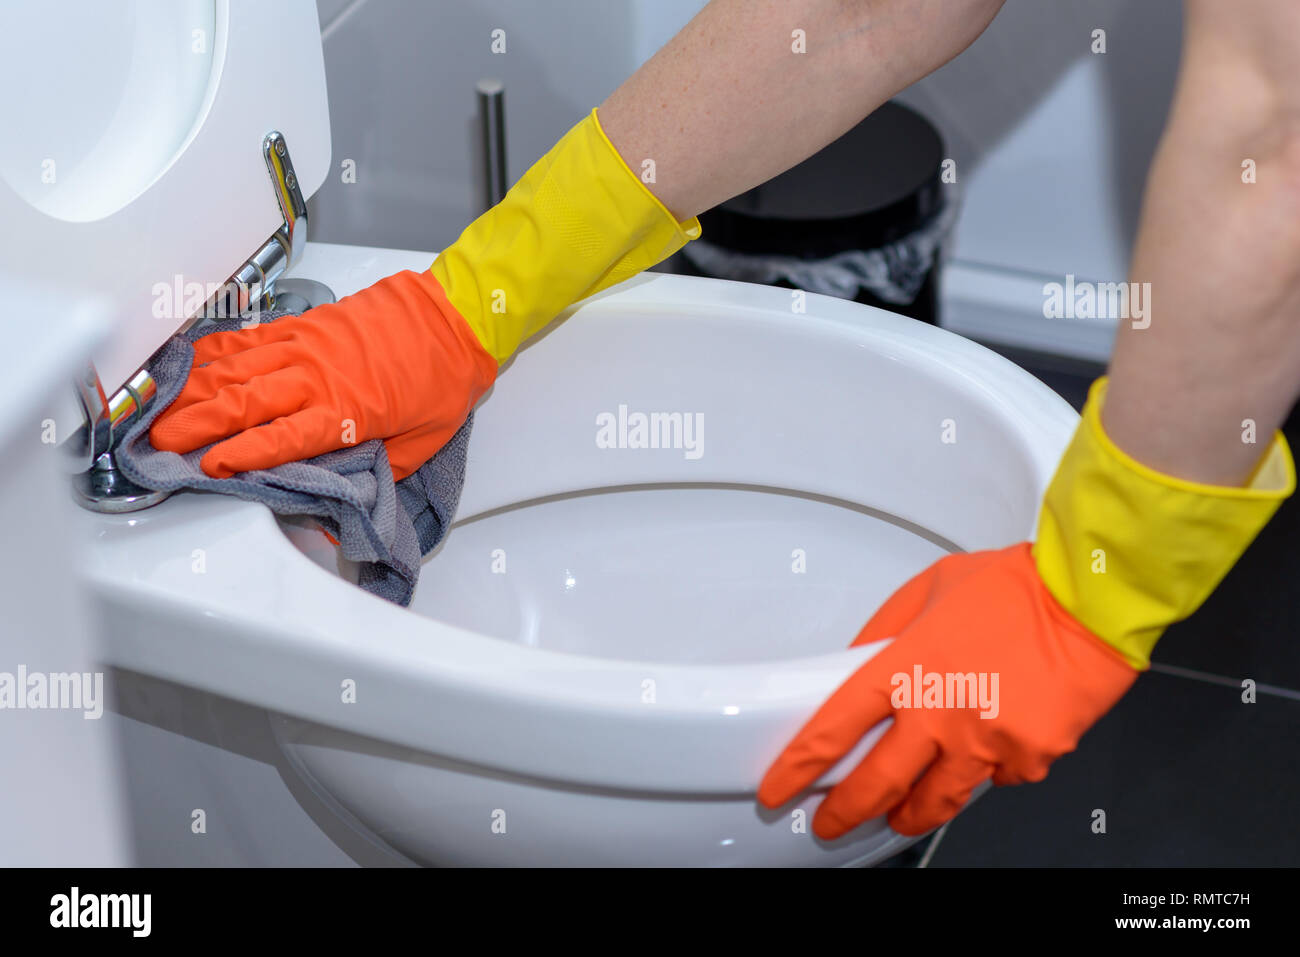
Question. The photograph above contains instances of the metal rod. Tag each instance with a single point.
(492, 119)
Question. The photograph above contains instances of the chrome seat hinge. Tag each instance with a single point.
(101, 486)
(253, 284)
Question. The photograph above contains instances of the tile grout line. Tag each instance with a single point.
(1209, 678)
(934, 843)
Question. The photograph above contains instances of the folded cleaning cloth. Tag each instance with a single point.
(386, 527)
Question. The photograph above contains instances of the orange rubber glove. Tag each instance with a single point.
(984, 613)
(1064, 626)
(394, 361)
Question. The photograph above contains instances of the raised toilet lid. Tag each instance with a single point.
(132, 160)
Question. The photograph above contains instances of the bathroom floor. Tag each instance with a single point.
(1186, 773)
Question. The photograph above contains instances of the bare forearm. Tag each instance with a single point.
(1222, 351)
(728, 103)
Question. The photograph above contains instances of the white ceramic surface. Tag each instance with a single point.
(63, 806)
(843, 404)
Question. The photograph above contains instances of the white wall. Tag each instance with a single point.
(1052, 141)
(401, 77)
(1052, 144)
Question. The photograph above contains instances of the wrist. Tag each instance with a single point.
(577, 222)
(1128, 551)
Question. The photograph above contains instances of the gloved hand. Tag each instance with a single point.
(406, 359)
(986, 613)
(394, 361)
(1066, 626)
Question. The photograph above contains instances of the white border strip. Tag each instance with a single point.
(1003, 307)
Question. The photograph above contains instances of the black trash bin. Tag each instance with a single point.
(863, 219)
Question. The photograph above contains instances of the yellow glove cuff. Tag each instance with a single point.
(1129, 551)
(577, 222)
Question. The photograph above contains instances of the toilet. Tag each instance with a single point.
(681, 504)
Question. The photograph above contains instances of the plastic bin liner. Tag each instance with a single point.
(894, 272)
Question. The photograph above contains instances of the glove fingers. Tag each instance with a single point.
(235, 407)
(1023, 767)
(855, 708)
(219, 345)
(938, 796)
(206, 381)
(291, 438)
(879, 783)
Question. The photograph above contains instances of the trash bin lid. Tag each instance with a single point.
(875, 184)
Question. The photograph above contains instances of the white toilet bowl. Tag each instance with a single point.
(613, 643)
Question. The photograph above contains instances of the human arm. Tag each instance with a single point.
(1157, 495)
(1222, 255)
(728, 104)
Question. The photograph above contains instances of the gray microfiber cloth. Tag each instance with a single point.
(386, 527)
